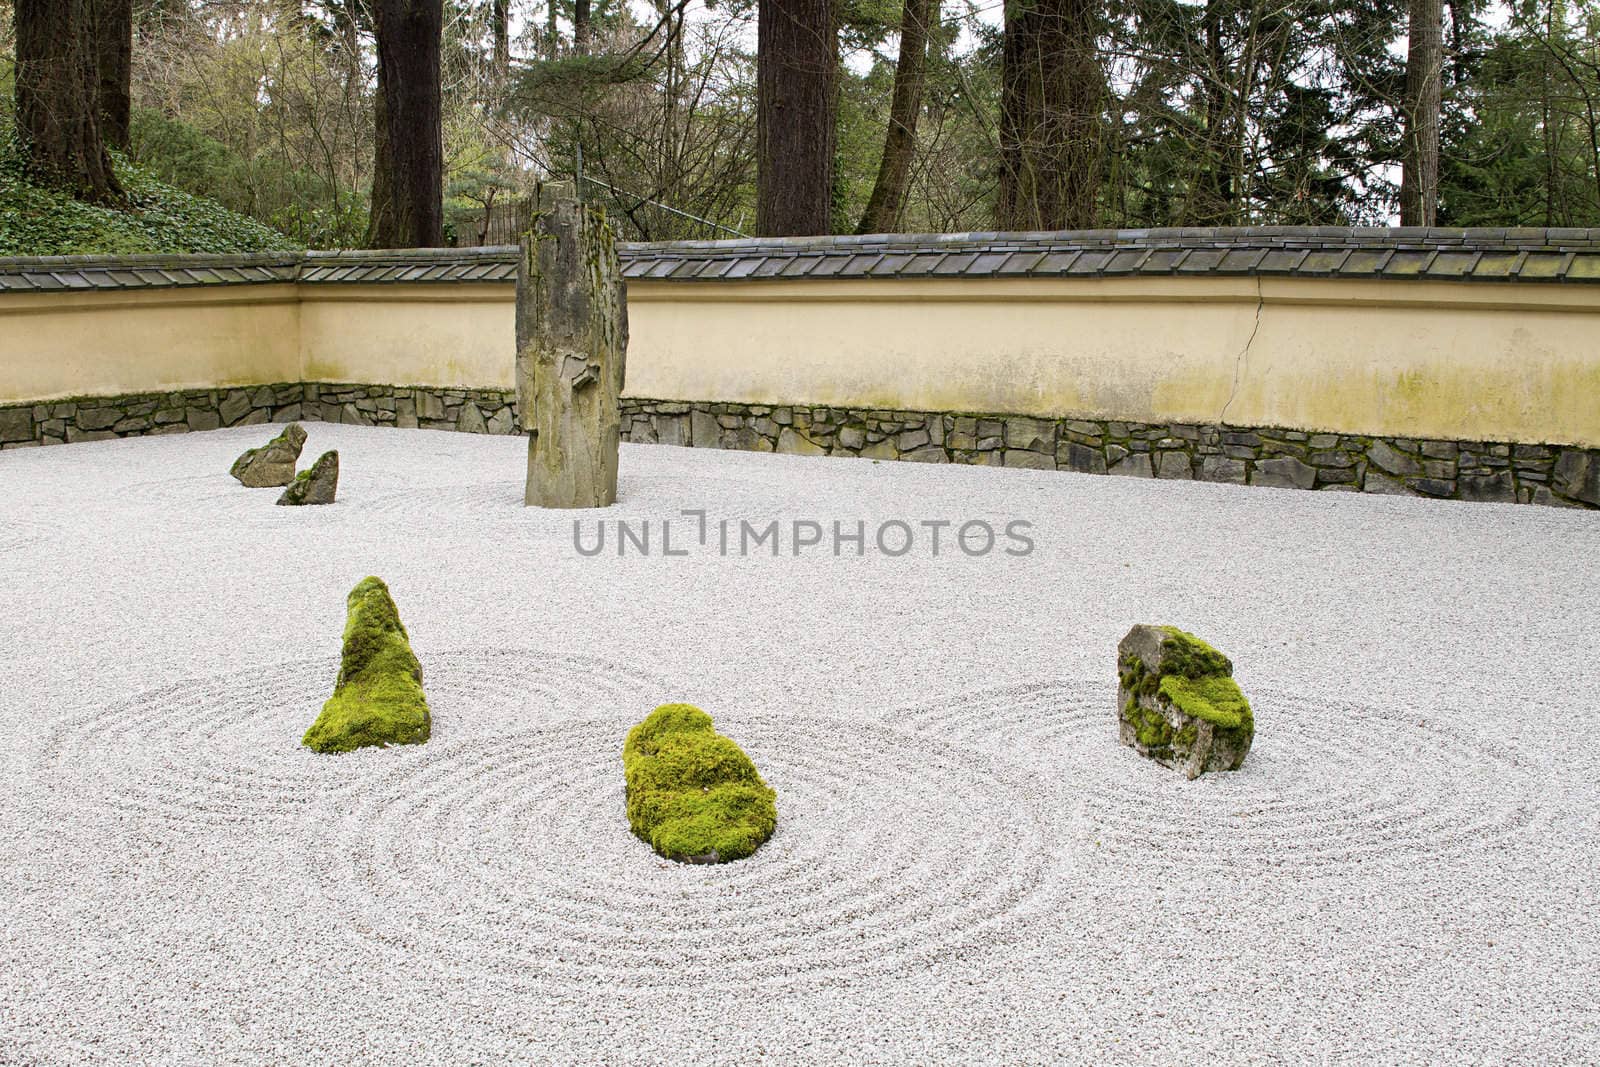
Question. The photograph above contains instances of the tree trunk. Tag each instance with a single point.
(408, 157)
(580, 27)
(1419, 174)
(900, 142)
(57, 93)
(1051, 97)
(500, 27)
(113, 41)
(796, 107)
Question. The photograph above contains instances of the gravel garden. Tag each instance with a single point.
(968, 864)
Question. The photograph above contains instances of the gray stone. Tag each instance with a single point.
(931, 454)
(672, 429)
(1386, 459)
(499, 423)
(1577, 475)
(793, 442)
(1177, 703)
(1222, 469)
(273, 463)
(880, 450)
(430, 405)
(16, 424)
(1136, 465)
(234, 408)
(202, 419)
(1494, 488)
(1017, 457)
(1284, 472)
(1081, 458)
(1433, 487)
(1032, 435)
(572, 349)
(852, 438)
(75, 435)
(471, 419)
(1383, 485)
(703, 429)
(1174, 465)
(98, 418)
(913, 439)
(318, 484)
(351, 415)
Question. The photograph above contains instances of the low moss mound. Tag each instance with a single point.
(1216, 700)
(378, 698)
(1184, 654)
(693, 795)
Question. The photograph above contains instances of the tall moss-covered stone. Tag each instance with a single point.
(317, 484)
(1178, 702)
(693, 794)
(572, 343)
(378, 698)
(273, 463)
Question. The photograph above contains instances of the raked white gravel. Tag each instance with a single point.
(968, 866)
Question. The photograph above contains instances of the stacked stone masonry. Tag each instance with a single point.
(99, 418)
(1291, 459)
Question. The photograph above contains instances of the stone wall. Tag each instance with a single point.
(1457, 470)
(99, 418)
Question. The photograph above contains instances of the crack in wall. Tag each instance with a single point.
(1244, 353)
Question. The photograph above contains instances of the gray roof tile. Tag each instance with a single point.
(1524, 254)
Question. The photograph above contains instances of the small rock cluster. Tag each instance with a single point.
(1178, 703)
(273, 465)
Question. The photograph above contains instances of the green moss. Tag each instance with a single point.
(40, 220)
(1216, 700)
(1150, 726)
(692, 793)
(378, 698)
(1186, 655)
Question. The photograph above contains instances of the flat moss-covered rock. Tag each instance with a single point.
(1179, 704)
(273, 463)
(317, 484)
(378, 698)
(693, 794)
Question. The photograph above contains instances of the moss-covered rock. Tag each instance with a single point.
(693, 794)
(1179, 704)
(317, 484)
(378, 698)
(273, 463)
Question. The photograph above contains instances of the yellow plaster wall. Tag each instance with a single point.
(1423, 359)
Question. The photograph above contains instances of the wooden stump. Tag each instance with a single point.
(572, 344)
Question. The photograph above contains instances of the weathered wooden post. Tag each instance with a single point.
(572, 345)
